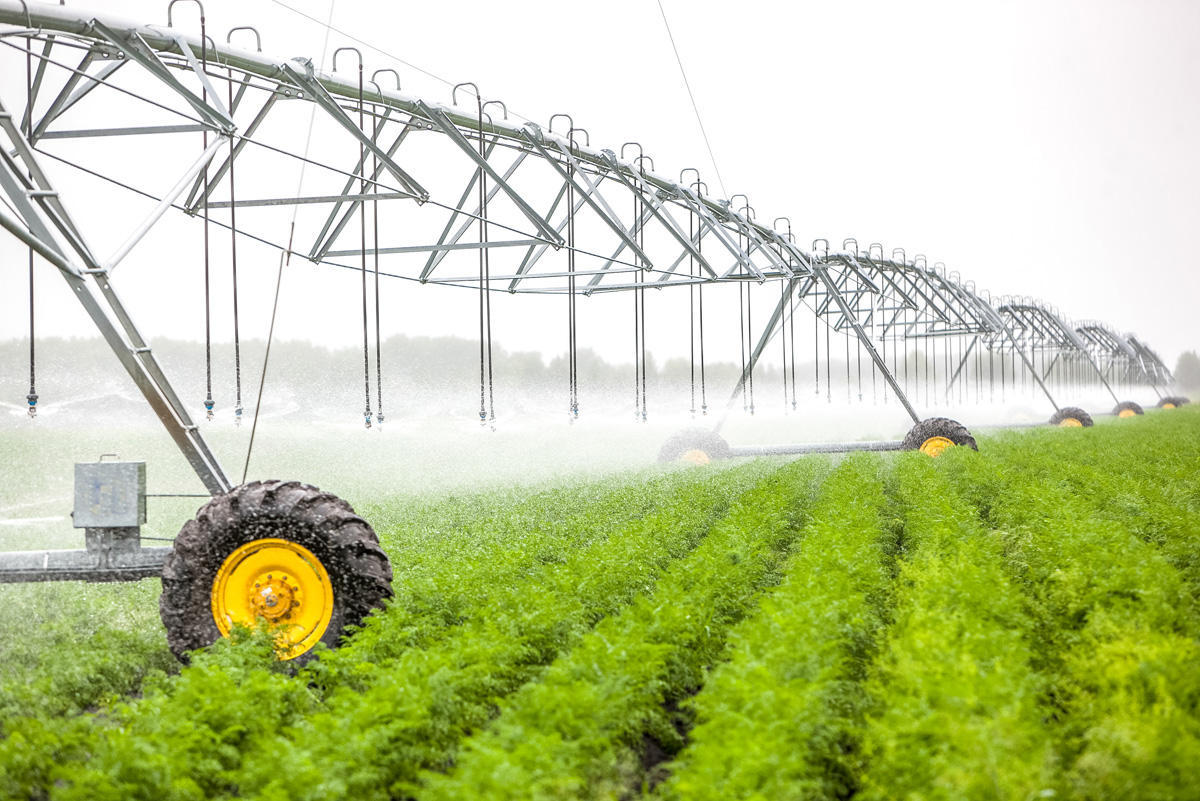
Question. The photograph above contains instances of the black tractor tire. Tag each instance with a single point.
(925, 430)
(322, 523)
(1128, 406)
(1172, 402)
(707, 442)
(1072, 413)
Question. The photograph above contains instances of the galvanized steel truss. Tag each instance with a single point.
(463, 197)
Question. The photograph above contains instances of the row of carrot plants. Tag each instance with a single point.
(1115, 627)
(1155, 493)
(894, 661)
(451, 555)
(780, 717)
(363, 720)
(75, 647)
(955, 700)
(596, 721)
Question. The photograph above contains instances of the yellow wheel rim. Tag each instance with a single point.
(280, 582)
(1168, 406)
(935, 445)
(695, 456)
(1070, 422)
(1127, 413)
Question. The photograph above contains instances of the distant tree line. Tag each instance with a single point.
(1187, 372)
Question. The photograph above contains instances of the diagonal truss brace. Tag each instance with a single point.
(535, 252)
(164, 204)
(709, 222)
(136, 48)
(436, 257)
(326, 238)
(193, 202)
(639, 185)
(590, 192)
(308, 82)
(36, 202)
(68, 96)
(448, 127)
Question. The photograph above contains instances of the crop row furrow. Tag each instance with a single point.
(583, 729)
(791, 682)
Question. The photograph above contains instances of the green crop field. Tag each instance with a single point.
(1017, 623)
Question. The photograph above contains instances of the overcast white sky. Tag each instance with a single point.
(1044, 148)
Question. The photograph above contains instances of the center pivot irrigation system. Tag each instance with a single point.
(407, 188)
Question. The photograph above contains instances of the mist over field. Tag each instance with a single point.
(431, 442)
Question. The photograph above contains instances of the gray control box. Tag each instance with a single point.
(110, 494)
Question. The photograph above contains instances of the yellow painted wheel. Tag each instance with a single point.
(695, 456)
(1127, 413)
(1168, 406)
(280, 582)
(1070, 422)
(934, 446)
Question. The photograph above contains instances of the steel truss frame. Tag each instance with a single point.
(522, 186)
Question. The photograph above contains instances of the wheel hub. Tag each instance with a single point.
(280, 582)
(273, 597)
(1168, 406)
(695, 456)
(934, 446)
(1127, 413)
(1070, 422)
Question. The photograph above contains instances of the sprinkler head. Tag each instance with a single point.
(32, 398)
(367, 420)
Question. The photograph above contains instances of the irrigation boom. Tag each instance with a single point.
(456, 194)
